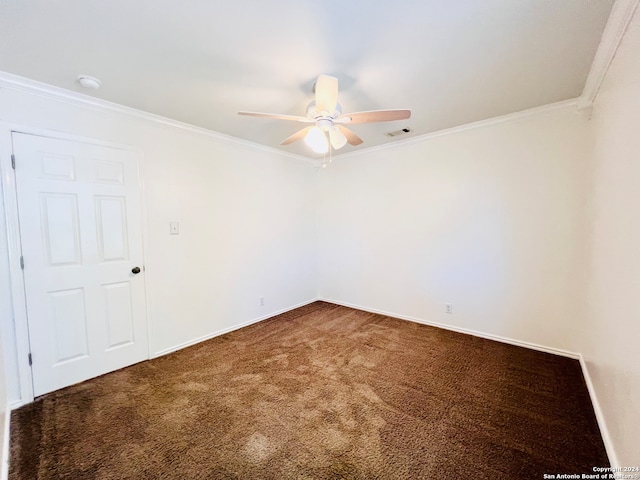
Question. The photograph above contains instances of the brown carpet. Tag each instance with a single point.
(322, 392)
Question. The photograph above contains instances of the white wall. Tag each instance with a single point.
(488, 219)
(247, 221)
(612, 336)
(528, 226)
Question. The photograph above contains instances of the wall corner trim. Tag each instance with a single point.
(619, 19)
(604, 432)
(584, 108)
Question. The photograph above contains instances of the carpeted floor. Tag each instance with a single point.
(322, 392)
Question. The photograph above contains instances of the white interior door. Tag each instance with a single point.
(79, 211)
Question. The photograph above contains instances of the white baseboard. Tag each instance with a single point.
(17, 404)
(475, 333)
(217, 333)
(606, 437)
(4, 466)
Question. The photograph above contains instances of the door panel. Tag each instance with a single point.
(119, 314)
(57, 167)
(68, 314)
(112, 228)
(59, 213)
(79, 210)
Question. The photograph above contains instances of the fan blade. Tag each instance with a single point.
(277, 116)
(326, 94)
(352, 138)
(296, 136)
(374, 116)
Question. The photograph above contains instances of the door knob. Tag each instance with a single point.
(135, 270)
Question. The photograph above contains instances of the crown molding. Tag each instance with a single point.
(617, 25)
(572, 103)
(50, 92)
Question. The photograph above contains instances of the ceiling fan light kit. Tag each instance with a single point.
(317, 140)
(337, 138)
(325, 113)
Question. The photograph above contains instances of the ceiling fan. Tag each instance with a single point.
(325, 113)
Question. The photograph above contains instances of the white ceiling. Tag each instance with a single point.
(201, 61)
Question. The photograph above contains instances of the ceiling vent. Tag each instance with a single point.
(396, 133)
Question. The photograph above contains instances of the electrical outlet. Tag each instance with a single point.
(262, 301)
(448, 308)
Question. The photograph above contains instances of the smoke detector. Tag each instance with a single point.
(91, 83)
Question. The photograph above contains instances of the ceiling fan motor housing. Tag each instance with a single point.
(315, 115)
(326, 113)
(324, 123)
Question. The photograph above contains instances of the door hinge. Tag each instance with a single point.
(30, 359)
(21, 262)
(13, 161)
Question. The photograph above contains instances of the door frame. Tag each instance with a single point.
(20, 364)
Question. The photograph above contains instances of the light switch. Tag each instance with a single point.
(174, 228)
